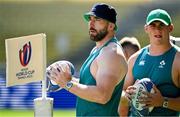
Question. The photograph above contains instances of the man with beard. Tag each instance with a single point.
(102, 74)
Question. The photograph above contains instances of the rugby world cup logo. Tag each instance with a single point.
(25, 54)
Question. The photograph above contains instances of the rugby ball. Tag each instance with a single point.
(143, 85)
(50, 84)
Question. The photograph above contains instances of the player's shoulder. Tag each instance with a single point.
(112, 49)
(176, 62)
(112, 53)
(135, 55)
(177, 48)
(177, 57)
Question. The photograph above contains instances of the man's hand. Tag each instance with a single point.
(130, 91)
(152, 99)
(60, 73)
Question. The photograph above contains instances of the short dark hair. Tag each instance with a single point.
(130, 41)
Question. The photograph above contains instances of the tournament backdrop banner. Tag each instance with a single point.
(25, 59)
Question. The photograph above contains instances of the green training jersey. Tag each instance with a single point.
(159, 70)
(88, 108)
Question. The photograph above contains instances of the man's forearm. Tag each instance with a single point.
(90, 93)
(123, 106)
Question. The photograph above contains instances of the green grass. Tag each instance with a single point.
(30, 113)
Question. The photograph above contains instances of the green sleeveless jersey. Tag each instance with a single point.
(88, 108)
(159, 70)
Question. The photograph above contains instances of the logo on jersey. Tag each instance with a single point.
(25, 54)
(162, 63)
(141, 63)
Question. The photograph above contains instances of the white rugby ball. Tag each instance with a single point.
(143, 85)
(51, 85)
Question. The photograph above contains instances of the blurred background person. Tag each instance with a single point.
(130, 46)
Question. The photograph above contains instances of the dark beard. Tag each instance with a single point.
(99, 35)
